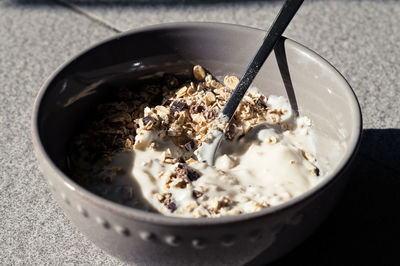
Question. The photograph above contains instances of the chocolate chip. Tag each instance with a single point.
(230, 132)
(181, 171)
(317, 171)
(197, 194)
(178, 106)
(181, 184)
(184, 172)
(197, 108)
(261, 102)
(147, 119)
(193, 175)
(171, 206)
(211, 113)
(189, 146)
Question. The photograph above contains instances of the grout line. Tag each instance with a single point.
(88, 15)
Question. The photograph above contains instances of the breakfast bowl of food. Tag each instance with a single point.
(117, 129)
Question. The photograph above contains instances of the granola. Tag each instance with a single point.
(139, 150)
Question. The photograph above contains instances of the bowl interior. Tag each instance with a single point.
(314, 87)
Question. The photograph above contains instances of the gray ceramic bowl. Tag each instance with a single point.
(292, 70)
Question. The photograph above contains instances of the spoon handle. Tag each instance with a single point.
(284, 17)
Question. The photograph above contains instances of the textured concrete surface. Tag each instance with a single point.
(360, 38)
(357, 37)
(34, 41)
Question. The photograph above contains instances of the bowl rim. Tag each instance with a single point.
(155, 218)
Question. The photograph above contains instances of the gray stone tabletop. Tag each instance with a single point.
(360, 38)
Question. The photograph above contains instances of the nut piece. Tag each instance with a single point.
(308, 156)
(211, 113)
(191, 206)
(199, 73)
(182, 91)
(197, 194)
(120, 117)
(128, 144)
(315, 171)
(210, 98)
(160, 197)
(218, 203)
(197, 108)
(272, 140)
(231, 81)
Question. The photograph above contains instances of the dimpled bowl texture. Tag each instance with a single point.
(313, 86)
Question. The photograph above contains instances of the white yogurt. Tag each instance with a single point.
(267, 166)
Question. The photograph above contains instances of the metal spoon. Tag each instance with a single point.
(207, 151)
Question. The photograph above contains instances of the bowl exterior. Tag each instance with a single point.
(256, 239)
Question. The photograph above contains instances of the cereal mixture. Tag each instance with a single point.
(139, 150)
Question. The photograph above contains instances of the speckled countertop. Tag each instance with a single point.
(360, 38)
